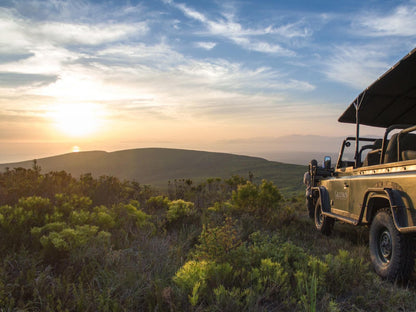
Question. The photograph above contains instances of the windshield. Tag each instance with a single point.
(366, 146)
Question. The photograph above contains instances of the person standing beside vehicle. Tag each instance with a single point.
(307, 180)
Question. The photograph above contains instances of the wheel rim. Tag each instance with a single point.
(385, 246)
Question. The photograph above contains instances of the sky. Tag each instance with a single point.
(229, 76)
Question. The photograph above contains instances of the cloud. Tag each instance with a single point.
(13, 80)
(13, 57)
(228, 28)
(206, 45)
(140, 54)
(116, 66)
(400, 22)
(356, 66)
(33, 47)
(262, 46)
(25, 33)
(293, 30)
(66, 33)
(13, 35)
(374, 41)
(190, 12)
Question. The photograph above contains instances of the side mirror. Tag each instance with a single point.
(327, 162)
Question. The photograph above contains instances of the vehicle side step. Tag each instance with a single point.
(341, 218)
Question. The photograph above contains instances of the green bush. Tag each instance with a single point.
(157, 205)
(218, 243)
(129, 217)
(58, 240)
(229, 300)
(197, 279)
(16, 221)
(179, 210)
(345, 273)
(67, 203)
(270, 279)
(262, 201)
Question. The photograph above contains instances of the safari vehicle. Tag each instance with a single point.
(373, 183)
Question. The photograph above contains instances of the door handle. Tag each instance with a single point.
(346, 185)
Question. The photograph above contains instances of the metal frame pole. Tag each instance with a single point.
(357, 105)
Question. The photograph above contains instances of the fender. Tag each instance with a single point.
(396, 205)
(323, 197)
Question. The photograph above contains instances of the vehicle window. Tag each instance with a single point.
(366, 145)
(347, 157)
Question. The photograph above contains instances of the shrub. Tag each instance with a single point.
(197, 279)
(229, 299)
(67, 203)
(217, 243)
(16, 222)
(262, 200)
(58, 240)
(129, 217)
(179, 210)
(270, 279)
(157, 205)
(103, 218)
(345, 272)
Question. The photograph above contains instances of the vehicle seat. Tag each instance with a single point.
(408, 155)
(373, 157)
(391, 150)
(407, 148)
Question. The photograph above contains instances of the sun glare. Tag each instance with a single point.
(76, 119)
(75, 149)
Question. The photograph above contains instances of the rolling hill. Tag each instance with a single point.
(157, 166)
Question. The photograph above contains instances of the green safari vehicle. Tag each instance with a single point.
(373, 183)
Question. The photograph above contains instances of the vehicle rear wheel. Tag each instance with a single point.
(323, 223)
(391, 253)
(311, 207)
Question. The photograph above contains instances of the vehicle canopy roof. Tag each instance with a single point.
(390, 100)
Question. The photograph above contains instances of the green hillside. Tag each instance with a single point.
(157, 166)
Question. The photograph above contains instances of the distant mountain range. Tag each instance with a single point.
(157, 166)
(293, 149)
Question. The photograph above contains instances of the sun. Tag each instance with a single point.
(76, 120)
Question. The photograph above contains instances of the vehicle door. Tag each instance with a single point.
(340, 188)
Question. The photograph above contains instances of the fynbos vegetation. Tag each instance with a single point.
(103, 244)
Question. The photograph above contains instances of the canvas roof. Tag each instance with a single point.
(391, 99)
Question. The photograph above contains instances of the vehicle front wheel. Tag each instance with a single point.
(391, 253)
(323, 223)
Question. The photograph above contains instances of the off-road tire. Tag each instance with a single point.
(323, 223)
(311, 207)
(392, 253)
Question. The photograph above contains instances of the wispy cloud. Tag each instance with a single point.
(356, 66)
(248, 38)
(22, 33)
(206, 45)
(400, 22)
(88, 34)
(13, 80)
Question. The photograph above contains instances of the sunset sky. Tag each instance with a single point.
(208, 75)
